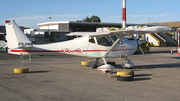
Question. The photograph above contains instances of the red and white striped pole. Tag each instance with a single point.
(124, 15)
(178, 43)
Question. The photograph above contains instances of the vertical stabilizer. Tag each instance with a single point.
(15, 36)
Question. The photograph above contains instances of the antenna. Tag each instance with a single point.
(50, 19)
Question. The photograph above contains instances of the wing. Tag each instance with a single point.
(25, 47)
(155, 29)
(122, 33)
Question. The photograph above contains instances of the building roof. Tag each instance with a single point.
(83, 23)
(53, 22)
(170, 24)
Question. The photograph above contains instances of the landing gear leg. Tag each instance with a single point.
(96, 64)
(22, 60)
(30, 58)
(105, 62)
(21, 69)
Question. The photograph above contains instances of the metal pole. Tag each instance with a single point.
(124, 54)
(178, 40)
(124, 14)
(178, 43)
(124, 26)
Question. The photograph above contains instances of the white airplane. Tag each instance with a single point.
(90, 44)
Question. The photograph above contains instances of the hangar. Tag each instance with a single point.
(56, 31)
(73, 26)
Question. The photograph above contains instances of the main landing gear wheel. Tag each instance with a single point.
(94, 64)
(125, 75)
(21, 70)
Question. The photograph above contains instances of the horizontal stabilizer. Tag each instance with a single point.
(25, 47)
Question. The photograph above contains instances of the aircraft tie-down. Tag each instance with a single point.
(91, 44)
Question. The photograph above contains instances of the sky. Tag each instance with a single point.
(29, 13)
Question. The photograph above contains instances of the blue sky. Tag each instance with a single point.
(30, 12)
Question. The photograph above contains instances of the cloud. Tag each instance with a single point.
(67, 15)
(161, 15)
(137, 19)
(136, 16)
(153, 15)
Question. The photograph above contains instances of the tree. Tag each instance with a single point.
(92, 19)
(95, 19)
(87, 19)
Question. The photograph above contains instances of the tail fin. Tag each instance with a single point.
(15, 37)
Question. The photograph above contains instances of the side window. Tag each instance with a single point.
(104, 42)
(1, 37)
(91, 40)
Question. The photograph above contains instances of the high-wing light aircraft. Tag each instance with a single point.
(91, 44)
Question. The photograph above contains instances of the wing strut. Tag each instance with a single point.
(114, 44)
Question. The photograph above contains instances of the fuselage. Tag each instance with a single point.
(82, 46)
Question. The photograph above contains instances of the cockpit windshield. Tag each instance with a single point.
(104, 41)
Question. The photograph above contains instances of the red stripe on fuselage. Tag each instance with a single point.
(94, 50)
(36, 51)
(62, 51)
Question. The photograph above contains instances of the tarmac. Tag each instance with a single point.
(63, 78)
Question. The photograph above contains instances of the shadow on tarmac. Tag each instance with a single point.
(174, 65)
(141, 75)
(38, 71)
(141, 79)
(118, 66)
(138, 75)
(176, 57)
(155, 52)
(3, 51)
